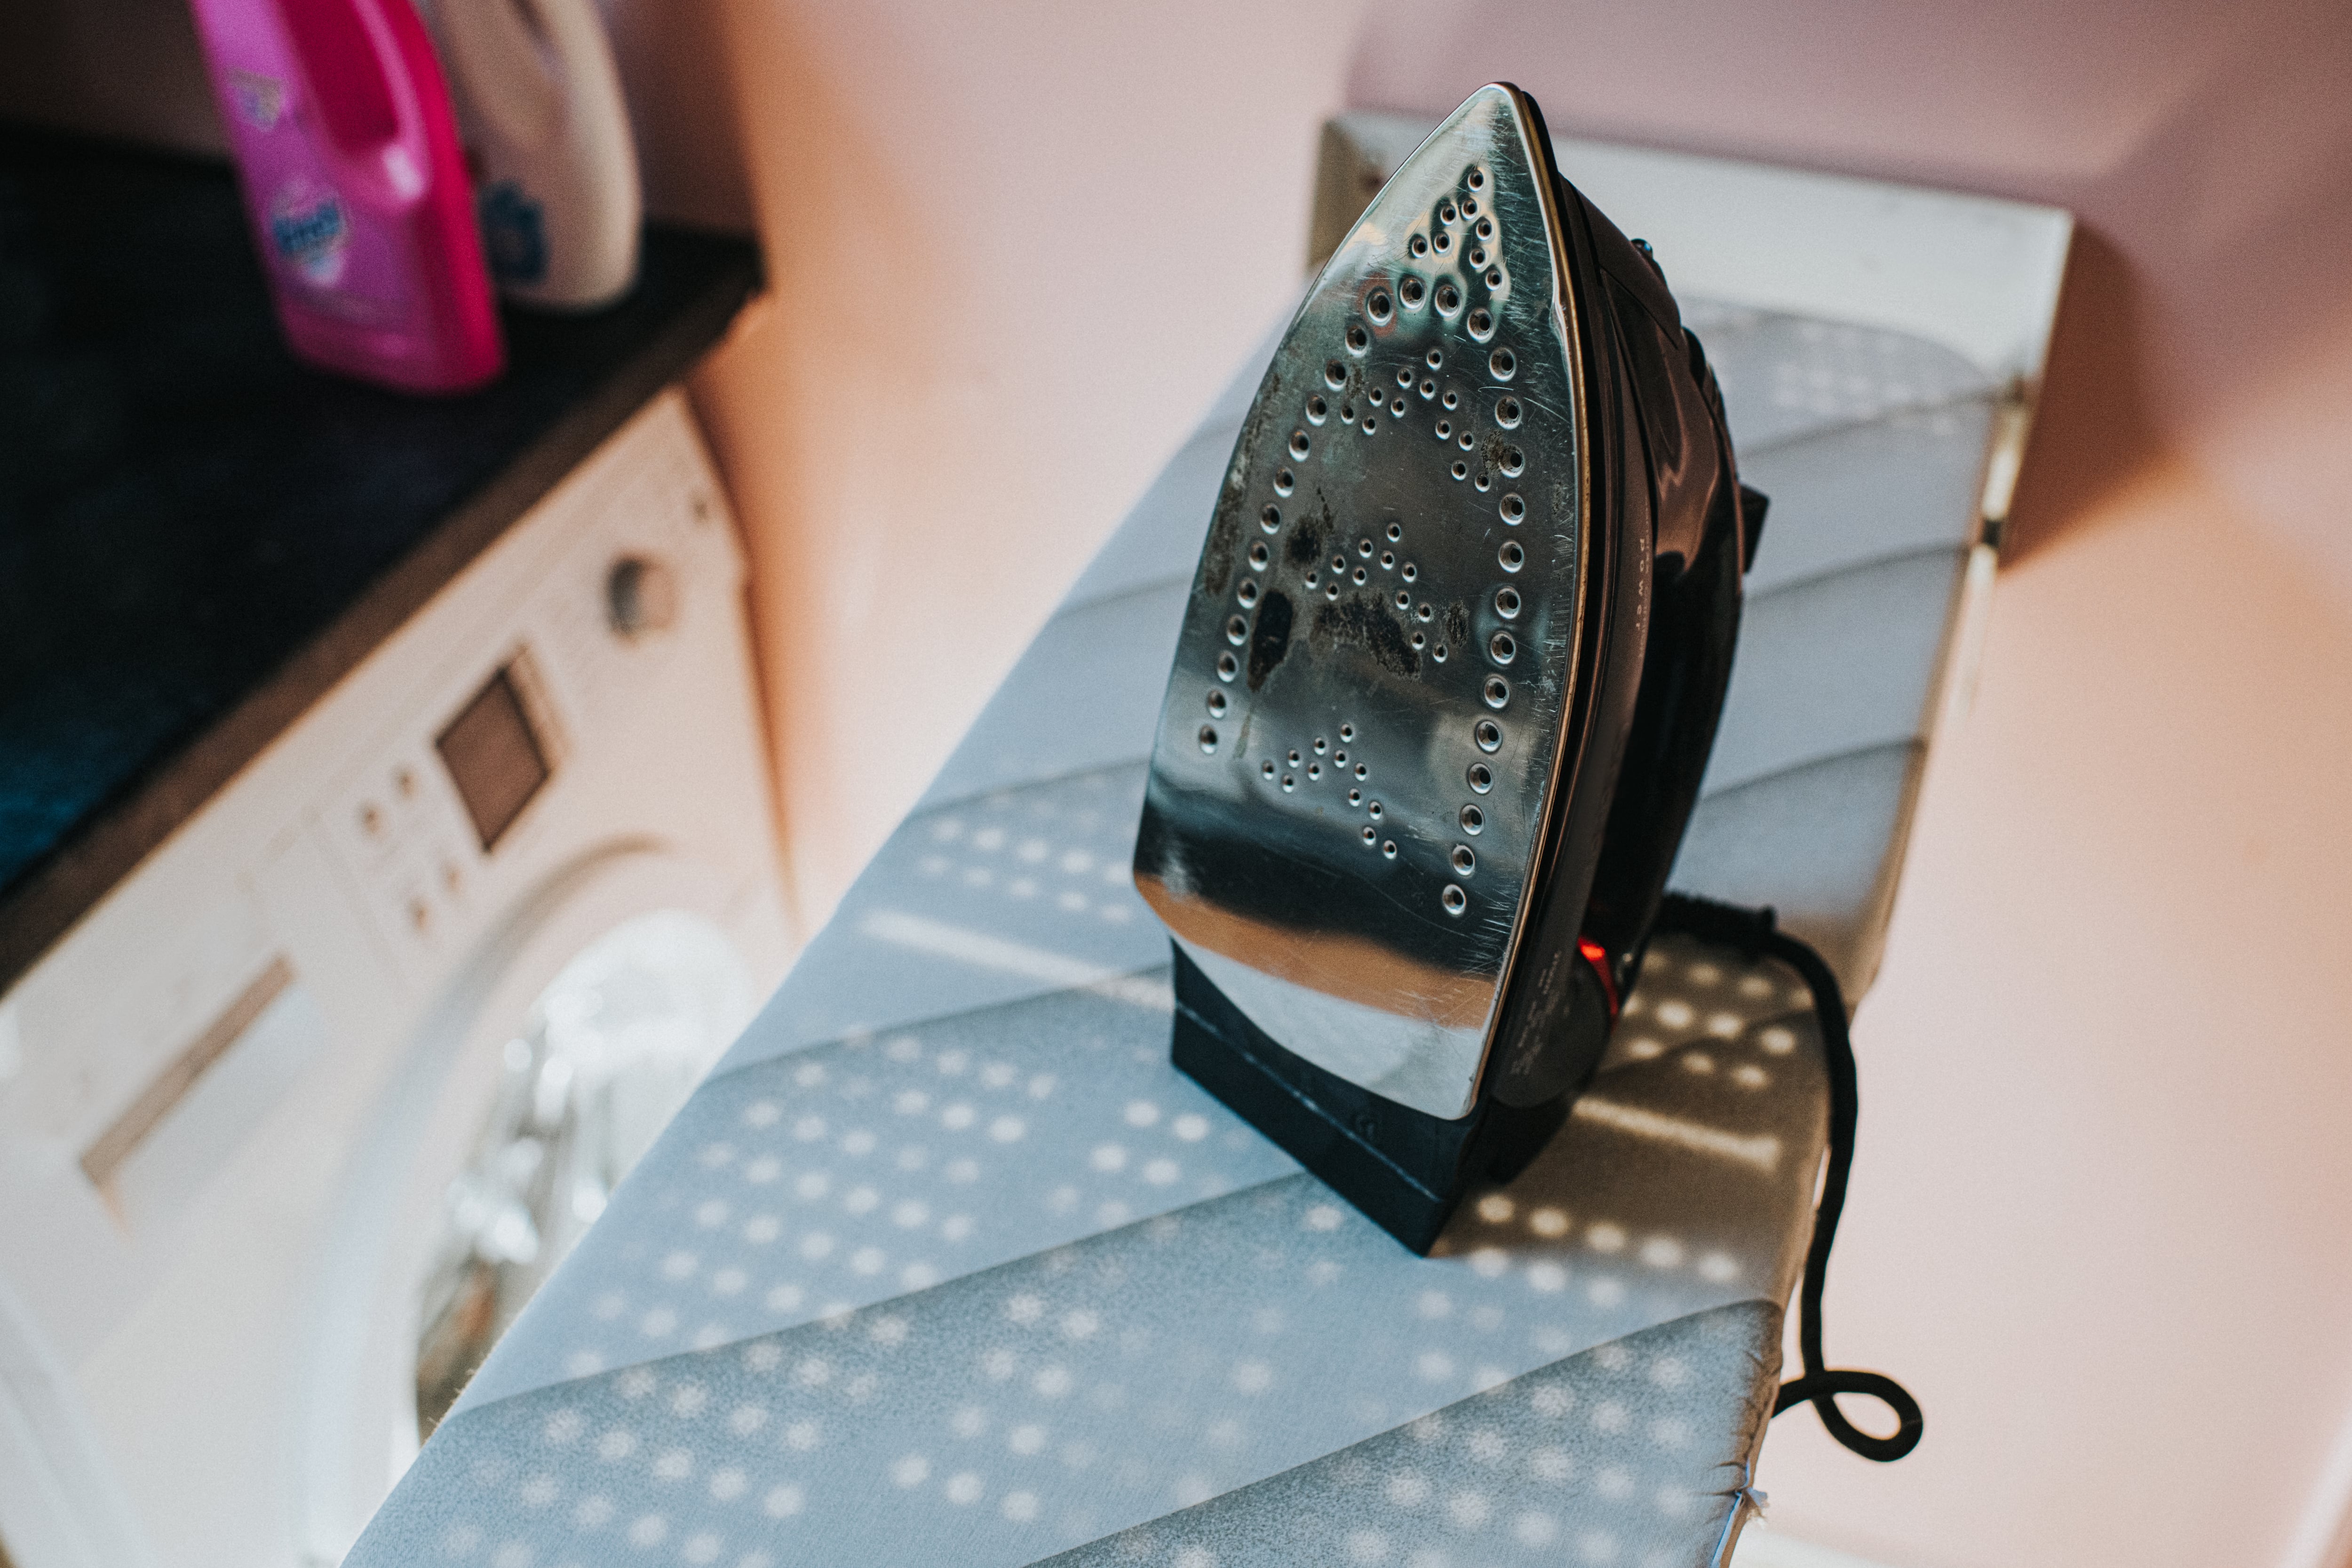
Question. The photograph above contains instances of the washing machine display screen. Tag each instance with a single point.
(493, 756)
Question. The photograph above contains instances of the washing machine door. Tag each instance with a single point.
(534, 1085)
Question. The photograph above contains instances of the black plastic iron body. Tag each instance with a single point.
(1671, 541)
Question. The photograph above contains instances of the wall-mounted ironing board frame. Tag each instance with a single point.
(944, 1263)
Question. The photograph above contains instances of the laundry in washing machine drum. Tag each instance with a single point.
(1447, 680)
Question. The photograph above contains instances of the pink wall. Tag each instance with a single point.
(2103, 1207)
(2103, 1191)
(1016, 250)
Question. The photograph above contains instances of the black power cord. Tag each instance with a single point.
(1755, 932)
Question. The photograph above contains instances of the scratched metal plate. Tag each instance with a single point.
(1362, 725)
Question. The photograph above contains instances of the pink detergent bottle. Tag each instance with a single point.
(356, 184)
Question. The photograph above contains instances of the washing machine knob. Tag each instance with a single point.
(640, 596)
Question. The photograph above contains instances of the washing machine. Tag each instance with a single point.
(295, 1119)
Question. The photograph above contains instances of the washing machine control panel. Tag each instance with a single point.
(440, 824)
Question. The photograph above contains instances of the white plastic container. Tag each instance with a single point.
(556, 170)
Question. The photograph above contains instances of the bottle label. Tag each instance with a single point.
(312, 231)
(260, 101)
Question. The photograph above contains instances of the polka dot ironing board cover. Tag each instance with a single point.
(945, 1263)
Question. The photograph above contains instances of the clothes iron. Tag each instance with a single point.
(1448, 679)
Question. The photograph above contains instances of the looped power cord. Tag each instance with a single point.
(1755, 932)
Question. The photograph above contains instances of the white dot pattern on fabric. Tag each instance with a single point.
(1093, 1385)
(879, 1164)
(957, 911)
(1785, 378)
(1734, 1027)
(1504, 1478)
(1629, 1439)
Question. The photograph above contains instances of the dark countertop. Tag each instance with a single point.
(198, 535)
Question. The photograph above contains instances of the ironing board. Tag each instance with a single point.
(945, 1263)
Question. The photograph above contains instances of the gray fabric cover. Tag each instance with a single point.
(1627, 1453)
(1126, 1305)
